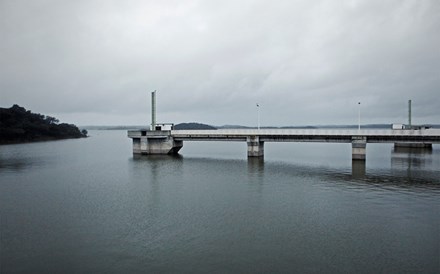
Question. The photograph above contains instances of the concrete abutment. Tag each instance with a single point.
(155, 142)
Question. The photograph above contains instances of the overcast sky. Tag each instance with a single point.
(305, 62)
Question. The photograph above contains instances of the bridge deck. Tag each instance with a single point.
(171, 141)
(311, 135)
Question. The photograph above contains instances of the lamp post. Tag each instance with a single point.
(258, 116)
(359, 124)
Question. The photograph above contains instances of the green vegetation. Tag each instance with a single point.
(18, 125)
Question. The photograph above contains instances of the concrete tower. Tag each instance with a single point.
(153, 110)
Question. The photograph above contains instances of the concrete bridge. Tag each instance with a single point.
(171, 141)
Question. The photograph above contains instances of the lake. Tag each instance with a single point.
(88, 206)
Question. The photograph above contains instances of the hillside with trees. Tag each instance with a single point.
(18, 125)
(193, 126)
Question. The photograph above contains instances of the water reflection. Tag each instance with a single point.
(358, 169)
(149, 171)
(150, 158)
(255, 172)
(255, 165)
(410, 158)
(152, 165)
(258, 168)
(17, 164)
(412, 150)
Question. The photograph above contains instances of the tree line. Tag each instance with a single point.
(19, 125)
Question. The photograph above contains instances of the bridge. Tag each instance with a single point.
(171, 141)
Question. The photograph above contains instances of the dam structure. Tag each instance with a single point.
(161, 138)
(170, 141)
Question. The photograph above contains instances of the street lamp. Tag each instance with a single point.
(359, 125)
(258, 116)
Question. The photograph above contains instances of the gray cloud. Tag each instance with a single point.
(305, 62)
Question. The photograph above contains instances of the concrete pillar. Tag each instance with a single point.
(255, 146)
(358, 148)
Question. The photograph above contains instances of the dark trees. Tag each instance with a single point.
(20, 125)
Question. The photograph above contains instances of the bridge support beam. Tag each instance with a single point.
(358, 148)
(255, 146)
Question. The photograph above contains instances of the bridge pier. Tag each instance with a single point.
(358, 148)
(255, 146)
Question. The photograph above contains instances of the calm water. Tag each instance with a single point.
(87, 206)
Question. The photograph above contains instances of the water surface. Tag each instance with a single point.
(88, 205)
